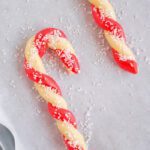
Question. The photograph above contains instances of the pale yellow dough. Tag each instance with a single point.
(105, 6)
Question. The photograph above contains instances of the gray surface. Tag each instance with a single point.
(112, 107)
(7, 141)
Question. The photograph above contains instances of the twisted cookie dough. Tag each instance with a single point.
(105, 17)
(47, 87)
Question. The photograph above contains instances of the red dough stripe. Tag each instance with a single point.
(41, 39)
(43, 79)
(72, 147)
(69, 60)
(128, 65)
(62, 114)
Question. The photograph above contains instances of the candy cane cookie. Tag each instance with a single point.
(47, 87)
(105, 17)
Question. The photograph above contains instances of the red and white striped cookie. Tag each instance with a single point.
(47, 87)
(105, 17)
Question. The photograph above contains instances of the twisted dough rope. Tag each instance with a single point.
(47, 87)
(105, 17)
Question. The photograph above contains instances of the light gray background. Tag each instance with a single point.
(112, 107)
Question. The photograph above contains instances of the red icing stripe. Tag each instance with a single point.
(116, 29)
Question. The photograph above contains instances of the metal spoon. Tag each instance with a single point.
(7, 141)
